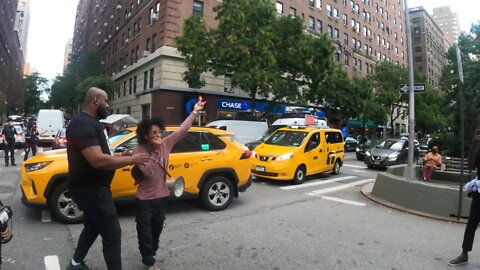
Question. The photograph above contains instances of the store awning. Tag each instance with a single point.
(359, 123)
(120, 119)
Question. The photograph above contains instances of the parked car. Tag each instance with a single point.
(60, 140)
(19, 137)
(363, 150)
(293, 153)
(389, 152)
(245, 131)
(350, 144)
(424, 148)
(215, 168)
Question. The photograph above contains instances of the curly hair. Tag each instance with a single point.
(145, 125)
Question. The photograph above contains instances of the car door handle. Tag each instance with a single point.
(314, 158)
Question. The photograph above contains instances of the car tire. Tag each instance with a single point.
(336, 167)
(62, 205)
(300, 175)
(217, 193)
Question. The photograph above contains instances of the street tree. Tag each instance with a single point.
(387, 79)
(34, 86)
(102, 81)
(470, 53)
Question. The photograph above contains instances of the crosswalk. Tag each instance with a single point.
(333, 185)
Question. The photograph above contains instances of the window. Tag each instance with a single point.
(124, 88)
(150, 18)
(197, 142)
(197, 8)
(227, 84)
(345, 39)
(279, 7)
(130, 86)
(333, 137)
(154, 42)
(345, 19)
(150, 85)
(336, 34)
(311, 23)
(319, 26)
(135, 84)
(293, 11)
(311, 3)
(335, 13)
(329, 11)
(330, 31)
(147, 45)
(337, 57)
(145, 80)
(346, 59)
(418, 59)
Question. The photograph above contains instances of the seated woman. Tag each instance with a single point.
(432, 160)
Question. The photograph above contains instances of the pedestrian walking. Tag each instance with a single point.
(91, 169)
(31, 139)
(474, 217)
(8, 134)
(152, 189)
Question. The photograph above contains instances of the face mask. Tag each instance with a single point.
(102, 112)
(434, 151)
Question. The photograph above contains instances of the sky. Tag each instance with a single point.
(52, 23)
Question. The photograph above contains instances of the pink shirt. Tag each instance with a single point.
(433, 160)
(153, 184)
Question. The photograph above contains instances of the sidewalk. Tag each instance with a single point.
(366, 190)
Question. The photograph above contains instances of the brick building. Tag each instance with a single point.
(11, 57)
(137, 41)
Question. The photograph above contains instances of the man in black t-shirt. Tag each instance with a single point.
(91, 169)
(8, 134)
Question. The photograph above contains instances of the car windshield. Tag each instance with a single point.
(391, 144)
(287, 138)
(117, 136)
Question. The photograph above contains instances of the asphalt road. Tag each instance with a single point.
(323, 224)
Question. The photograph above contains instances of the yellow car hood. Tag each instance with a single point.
(48, 155)
(274, 150)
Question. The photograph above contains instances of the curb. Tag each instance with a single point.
(366, 191)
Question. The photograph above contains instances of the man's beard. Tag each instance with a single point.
(102, 112)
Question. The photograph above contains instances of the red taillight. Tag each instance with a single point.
(246, 155)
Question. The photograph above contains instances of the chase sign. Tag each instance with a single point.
(233, 105)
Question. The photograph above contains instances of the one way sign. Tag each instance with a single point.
(417, 88)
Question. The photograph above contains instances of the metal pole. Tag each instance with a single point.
(462, 128)
(409, 170)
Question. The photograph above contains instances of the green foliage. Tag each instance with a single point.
(63, 94)
(34, 86)
(445, 141)
(470, 54)
(102, 82)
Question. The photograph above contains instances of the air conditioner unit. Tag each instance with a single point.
(105, 40)
(119, 6)
(146, 53)
(127, 40)
(359, 49)
(99, 32)
(105, 24)
(336, 18)
(154, 16)
(111, 16)
(129, 14)
(228, 89)
(125, 66)
(113, 73)
(117, 28)
(370, 37)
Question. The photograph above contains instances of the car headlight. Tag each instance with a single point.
(367, 153)
(393, 156)
(36, 166)
(357, 149)
(285, 156)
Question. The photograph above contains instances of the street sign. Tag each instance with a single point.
(417, 88)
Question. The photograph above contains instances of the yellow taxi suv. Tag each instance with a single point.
(293, 153)
(215, 168)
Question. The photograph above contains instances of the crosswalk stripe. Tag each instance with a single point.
(343, 201)
(360, 171)
(51, 262)
(353, 166)
(339, 187)
(319, 182)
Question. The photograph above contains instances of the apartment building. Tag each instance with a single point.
(137, 41)
(11, 57)
(429, 45)
(448, 22)
(22, 23)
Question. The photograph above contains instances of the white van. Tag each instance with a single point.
(49, 122)
(245, 131)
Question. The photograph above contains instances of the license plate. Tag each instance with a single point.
(376, 162)
(260, 168)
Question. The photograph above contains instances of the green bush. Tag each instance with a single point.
(448, 144)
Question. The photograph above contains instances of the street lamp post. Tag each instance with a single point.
(409, 171)
(462, 127)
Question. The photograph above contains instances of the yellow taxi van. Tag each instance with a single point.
(295, 152)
